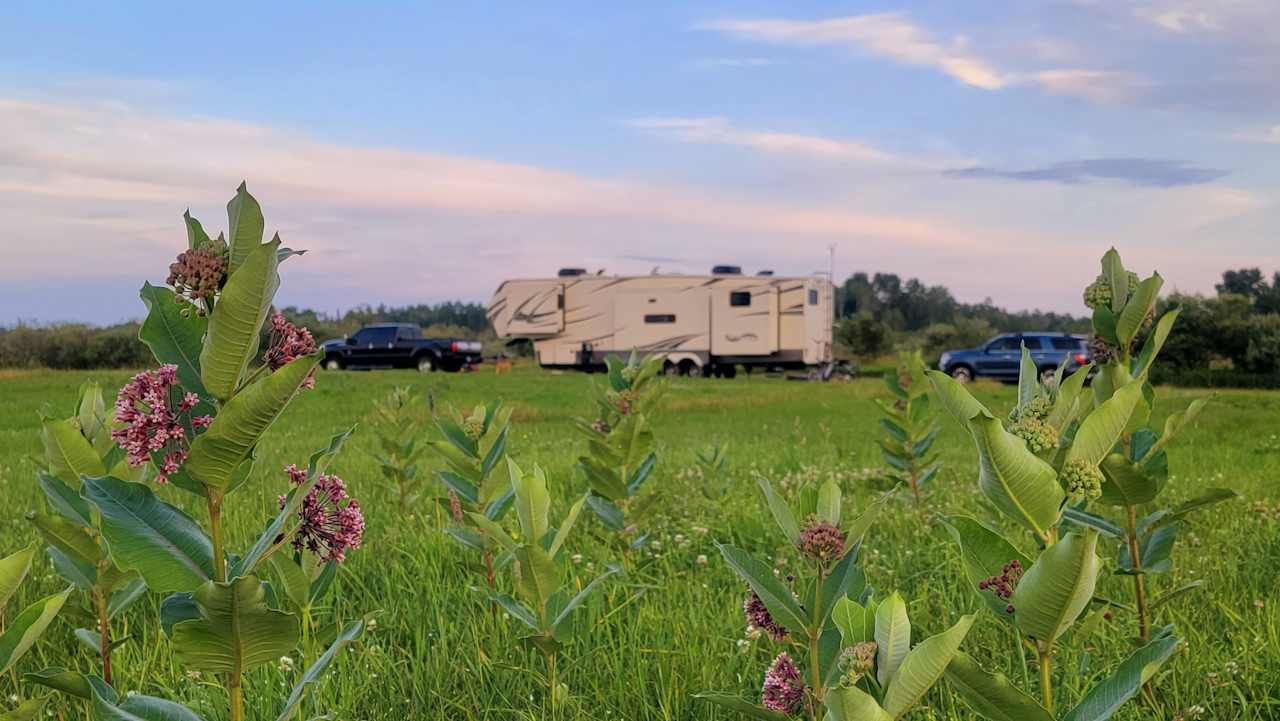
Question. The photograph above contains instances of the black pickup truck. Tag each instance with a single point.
(399, 345)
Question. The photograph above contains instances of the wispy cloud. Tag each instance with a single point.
(1258, 135)
(1144, 172)
(717, 130)
(889, 35)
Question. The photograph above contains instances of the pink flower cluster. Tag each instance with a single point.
(1004, 583)
(156, 417)
(783, 687)
(288, 343)
(330, 520)
(821, 540)
(759, 617)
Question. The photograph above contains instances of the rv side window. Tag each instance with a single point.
(740, 298)
(659, 319)
(560, 302)
(813, 296)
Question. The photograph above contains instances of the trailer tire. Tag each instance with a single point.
(691, 369)
(670, 369)
(333, 364)
(729, 371)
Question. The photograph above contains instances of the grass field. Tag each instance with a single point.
(674, 626)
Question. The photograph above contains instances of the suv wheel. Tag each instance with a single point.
(1047, 375)
(333, 364)
(962, 374)
(426, 365)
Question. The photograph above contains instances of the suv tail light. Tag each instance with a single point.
(453, 347)
(1081, 358)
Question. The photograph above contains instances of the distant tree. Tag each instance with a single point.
(862, 334)
(1245, 281)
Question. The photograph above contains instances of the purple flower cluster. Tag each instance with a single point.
(155, 416)
(288, 343)
(197, 274)
(759, 617)
(783, 688)
(1005, 582)
(821, 540)
(330, 520)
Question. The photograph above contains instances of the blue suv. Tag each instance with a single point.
(1000, 357)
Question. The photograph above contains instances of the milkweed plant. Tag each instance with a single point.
(191, 425)
(910, 424)
(1065, 446)
(621, 453)
(842, 655)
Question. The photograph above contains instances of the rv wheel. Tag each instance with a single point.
(670, 369)
(729, 372)
(691, 369)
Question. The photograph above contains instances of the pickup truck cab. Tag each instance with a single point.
(1000, 357)
(399, 345)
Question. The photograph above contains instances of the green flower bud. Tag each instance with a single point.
(1039, 435)
(1081, 478)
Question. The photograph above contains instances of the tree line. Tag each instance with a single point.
(1229, 338)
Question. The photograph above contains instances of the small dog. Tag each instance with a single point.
(501, 365)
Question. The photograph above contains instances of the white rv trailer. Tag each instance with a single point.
(703, 324)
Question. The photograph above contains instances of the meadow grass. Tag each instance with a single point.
(673, 626)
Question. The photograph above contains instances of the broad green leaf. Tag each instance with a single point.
(829, 502)
(1102, 428)
(317, 464)
(742, 706)
(1176, 422)
(845, 579)
(1113, 270)
(958, 401)
(245, 226)
(126, 596)
(850, 703)
(1067, 403)
(196, 237)
(782, 514)
(1089, 520)
(163, 544)
(13, 569)
(218, 452)
(992, 695)
(234, 325)
(1019, 483)
(609, 514)
(236, 631)
(1155, 341)
(135, 707)
(538, 575)
(1104, 324)
(1126, 484)
(67, 536)
(1028, 378)
(516, 609)
(775, 596)
(984, 553)
(27, 626)
(173, 337)
(313, 673)
(641, 473)
(562, 533)
(1111, 693)
(893, 637)
(1154, 548)
(91, 413)
(1210, 497)
(493, 531)
(64, 499)
(292, 579)
(79, 573)
(495, 453)
(857, 529)
(68, 453)
(923, 666)
(1057, 587)
(1168, 596)
(60, 679)
(856, 623)
(533, 502)
(566, 612)
(1140, 305)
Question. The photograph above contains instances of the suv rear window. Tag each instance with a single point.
(1066, 343)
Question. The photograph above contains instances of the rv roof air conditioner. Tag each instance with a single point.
(571, 272)
(765, 272)
(726, 270)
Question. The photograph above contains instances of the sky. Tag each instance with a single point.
(425, 152)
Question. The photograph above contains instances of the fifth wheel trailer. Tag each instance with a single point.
(702, 324)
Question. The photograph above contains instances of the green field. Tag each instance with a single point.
(673, 626)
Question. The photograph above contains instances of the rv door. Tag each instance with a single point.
(818, 318)
(744, 321)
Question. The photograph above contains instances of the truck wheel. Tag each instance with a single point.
(670, 369)
(691, 369)
(729, 371)
(426, 364)
(962, 374)
(1047, 375)
(333, 364)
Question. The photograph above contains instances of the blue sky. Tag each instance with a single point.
(426, 152)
